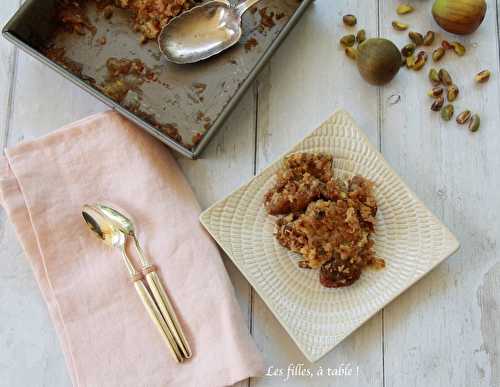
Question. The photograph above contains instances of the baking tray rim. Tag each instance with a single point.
(219, 121)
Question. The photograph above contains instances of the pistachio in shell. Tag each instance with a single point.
(420, 61)
(437, 104)
(452, 93)
(458, 48)
(434, 76)
(398, 26)
(463, 117)
(435, 92)
(446, 45)
(447, 112)
(379, 60)
(445, 77)
(460, 17)
(349, 20)
(429, 38)
(404, 9)
(348, 40)
(482, 76)
(410, 61)
(438, 54)
(474, 123)
(416, 37)
(360, 36)
(408, 50)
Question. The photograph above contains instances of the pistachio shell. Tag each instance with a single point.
(349, 20)
(445, 77)
(348, 40)
(452, 93)
(416, 38)
(398, 26)
(404, 9)
(435, 92)
(408, 50)
(410, 62)
(447, 112)
(458, 48)
(446, 45)
(420, 61)
(361, 36)
(438, 54)
(434, 76)
(474, 123)
(482, 76)
(429, 38)
(463, 117)
(437, 104)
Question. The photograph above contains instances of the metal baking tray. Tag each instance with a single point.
(193, 99)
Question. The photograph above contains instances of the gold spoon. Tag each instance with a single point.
(125, 224)
(112, 236)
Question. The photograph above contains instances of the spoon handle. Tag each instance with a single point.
(155, 314)
(163, 301)
(167, 310)
(242, 7)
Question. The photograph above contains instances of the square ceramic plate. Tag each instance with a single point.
(408, 236)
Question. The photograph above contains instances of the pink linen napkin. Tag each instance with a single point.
(105, 333)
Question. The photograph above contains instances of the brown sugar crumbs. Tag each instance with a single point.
(326, 220)
(148, 16)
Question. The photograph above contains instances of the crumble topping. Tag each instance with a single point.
(326, 220)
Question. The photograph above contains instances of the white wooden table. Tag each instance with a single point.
(445, 330)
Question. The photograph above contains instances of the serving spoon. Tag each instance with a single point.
(113, 237)
(203, 31)
(125, 224)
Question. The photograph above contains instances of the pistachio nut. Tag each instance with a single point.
(398, 26)
(348, 40)
(482, 76)
(446, 45)
(416, 38)
(408, 50)
(404, 9)
(434, 76)
(445, 77)
(429, 38)
(410, 62)
(463, 117)
(452, 93)
(435, 92)
(447, 112)
(420, 61)
(438, 54)
(437, 104)
(474, 123)
(458, 48)
(361, 36)
(349, 20)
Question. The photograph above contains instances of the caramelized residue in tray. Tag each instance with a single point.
(123, 78)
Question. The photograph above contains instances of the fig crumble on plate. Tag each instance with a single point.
(328, 221)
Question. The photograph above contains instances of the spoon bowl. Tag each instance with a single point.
(103, 228)
(203, 31)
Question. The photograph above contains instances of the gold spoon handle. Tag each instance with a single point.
(154, 312)
(167, 310)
